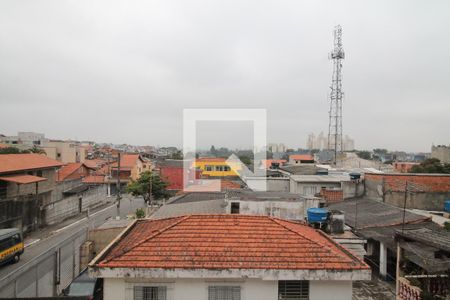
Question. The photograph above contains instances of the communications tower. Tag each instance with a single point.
(337, 55)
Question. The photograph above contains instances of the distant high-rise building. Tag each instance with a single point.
(441, 152)
(320, 142)
(276, 148)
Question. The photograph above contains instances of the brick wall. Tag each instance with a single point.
(331, 196)
(425, 191)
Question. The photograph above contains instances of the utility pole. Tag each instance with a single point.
(404, 206)
(150, 188)
(118, 186)
(337, 55)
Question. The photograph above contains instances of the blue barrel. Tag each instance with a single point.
(317, 215)
(447, 205)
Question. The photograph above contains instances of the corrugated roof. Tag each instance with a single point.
(227, 242)
(22, 162)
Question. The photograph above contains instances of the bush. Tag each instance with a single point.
(140, 213)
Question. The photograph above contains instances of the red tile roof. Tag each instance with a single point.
(23, 162)
(227, 242)
(301, 157)
(67, 170)
(268, 162)
(23, 179)
(127, 161)
(94, 179)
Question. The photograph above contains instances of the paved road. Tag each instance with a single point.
(45, 239)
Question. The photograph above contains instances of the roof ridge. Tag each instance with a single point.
(276, 220)
(125, 250)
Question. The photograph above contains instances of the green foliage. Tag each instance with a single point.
(176, 155)
(245, 160)
(364, 154)
(141, 187)
(380, 151)
(10, 150)
(431, 165)
(14, 150)
(140, 213)
(447, 226)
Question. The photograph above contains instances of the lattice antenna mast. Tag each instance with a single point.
(337, 55)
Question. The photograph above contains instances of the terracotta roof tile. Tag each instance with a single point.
(22, 162)
(67, 170)
(23, 179)
(94, 179)
(301, 157)
(227, 242)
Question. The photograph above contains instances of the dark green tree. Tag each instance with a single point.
(364, 154)
(141, 187)
(431, 165)
(37, 150)
(9, 150)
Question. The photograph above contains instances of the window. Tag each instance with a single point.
(150, 293)
(224, 293)
(226, 168)
(208, 168)
(39, 173)
(219, 168)
(235, 207)
(293, 290)
(3, 189)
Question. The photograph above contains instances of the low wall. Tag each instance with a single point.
(425, 191)
(67, 207)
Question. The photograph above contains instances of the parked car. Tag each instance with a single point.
(83, 285)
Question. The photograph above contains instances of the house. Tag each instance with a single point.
(296, 159)
(64, 151)
(420, 191)
(377, 222)
(172, 172)
(27, 182)
(131, 168)
(310, 185)
(72, 171)
(404, 167)
(423, 263)
(272, 163)
(216, 167)
(246, 202)
(441, 152)
(226, 257)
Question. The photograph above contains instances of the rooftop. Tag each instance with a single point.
(10, 163)
(23, 179)
(226, 242)
(321, 178)
(372, 213)
(301, 157)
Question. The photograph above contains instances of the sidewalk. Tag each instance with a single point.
(47, 231)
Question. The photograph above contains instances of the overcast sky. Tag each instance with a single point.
(123, 71)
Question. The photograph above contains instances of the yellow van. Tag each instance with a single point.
(11, 245)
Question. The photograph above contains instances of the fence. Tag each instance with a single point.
(47, 274)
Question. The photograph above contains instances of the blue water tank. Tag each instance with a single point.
(447, 205)
(317, 215)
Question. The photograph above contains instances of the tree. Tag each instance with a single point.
(9, 150)
(363, 154)
(37, 150)
(141, 187)
(245, 160)
(431, 165)
(176, 155)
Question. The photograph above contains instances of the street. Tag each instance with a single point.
(39, 242)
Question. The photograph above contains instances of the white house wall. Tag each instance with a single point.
(197, 289)
(326, 289)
